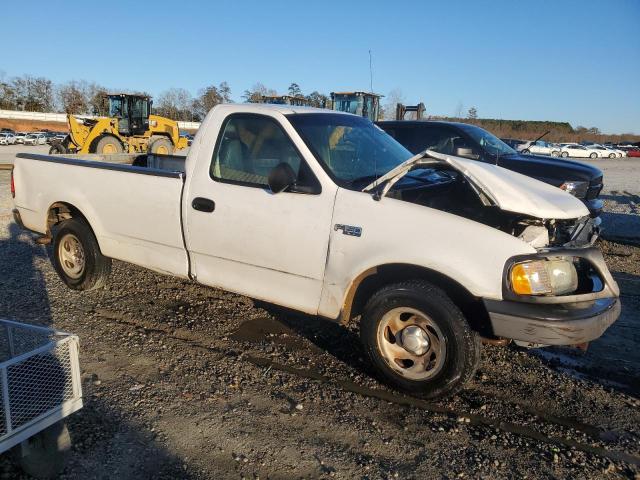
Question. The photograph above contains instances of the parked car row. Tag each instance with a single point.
(9, 137)
(572, 149)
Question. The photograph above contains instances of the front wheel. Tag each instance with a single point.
(612, 155)
(107, 145)
(418, 340)
(77, 257)
(593, 155)
(57, 149)
(564, 154)
(161, 146)
(555, 153)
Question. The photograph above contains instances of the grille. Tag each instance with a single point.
(39, 376)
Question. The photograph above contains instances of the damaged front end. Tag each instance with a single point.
(564, 293)
(537, 213)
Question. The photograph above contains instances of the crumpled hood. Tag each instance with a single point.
(508, 190)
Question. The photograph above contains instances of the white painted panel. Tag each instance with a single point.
(135, 217)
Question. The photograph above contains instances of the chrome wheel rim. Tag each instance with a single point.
(71, 256)
(411, 343)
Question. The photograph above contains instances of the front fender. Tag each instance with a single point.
(397, 232)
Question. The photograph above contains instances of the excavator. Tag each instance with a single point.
(129, 128)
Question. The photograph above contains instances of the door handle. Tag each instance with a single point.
(203, 204)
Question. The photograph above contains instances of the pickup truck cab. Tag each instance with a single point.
(324, 213)
(470, 141)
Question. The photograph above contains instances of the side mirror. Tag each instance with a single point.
(281, 177)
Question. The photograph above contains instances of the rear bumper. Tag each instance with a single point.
(552, 324)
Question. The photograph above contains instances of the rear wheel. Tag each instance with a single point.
(77, 258)
(555, 153)
(593, 155)
(564, 154)
(161, 146)
(418, 340)
(612, 155)
(108, 145)
(526, 151)
(57, 148)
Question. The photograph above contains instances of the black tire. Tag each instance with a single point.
(95, 268)
(57, 148)
(160, 143)
(45, 453)
(564, 154)
(109, 143)
(593, 155)
(462, 345)
(526, 151)
(612, 155)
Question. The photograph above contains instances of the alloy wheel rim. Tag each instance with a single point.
(71, 255)
(411, 343)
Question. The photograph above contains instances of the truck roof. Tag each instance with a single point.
(284, 109)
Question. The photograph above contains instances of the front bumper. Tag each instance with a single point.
(558, 320)
(552, 324)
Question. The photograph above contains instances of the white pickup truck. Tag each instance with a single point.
(324, 213)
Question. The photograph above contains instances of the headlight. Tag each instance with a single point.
(544, 277)
(577, 189)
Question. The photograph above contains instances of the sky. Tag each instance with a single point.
(562, 60)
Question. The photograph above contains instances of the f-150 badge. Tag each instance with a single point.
(348, 229)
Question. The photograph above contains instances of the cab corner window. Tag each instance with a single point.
(250, 146)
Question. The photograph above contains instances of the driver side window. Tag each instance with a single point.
(249, 147)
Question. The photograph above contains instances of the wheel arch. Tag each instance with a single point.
(372, 279)
(60, 211)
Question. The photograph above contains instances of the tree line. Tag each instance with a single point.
(39, 94)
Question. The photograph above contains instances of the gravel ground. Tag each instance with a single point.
(183, 381)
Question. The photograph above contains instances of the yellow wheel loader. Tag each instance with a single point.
(129, 128)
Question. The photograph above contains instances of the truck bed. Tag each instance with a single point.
(132, 202)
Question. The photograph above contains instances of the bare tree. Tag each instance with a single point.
(211, 96)
(317, 99)
(175, 103)
(96, 96)
(257, 91)
(72, 97)
(472, 114)
(394, 97)
(33, 94)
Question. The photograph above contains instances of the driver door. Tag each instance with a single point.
(246, 239)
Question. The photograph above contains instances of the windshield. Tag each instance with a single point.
(351, 149)
(490, 143)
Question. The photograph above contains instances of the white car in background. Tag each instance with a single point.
(539, 147)
(20, 137)
(578, 151)
(7, 138)
(35, 139)
(608, 151)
